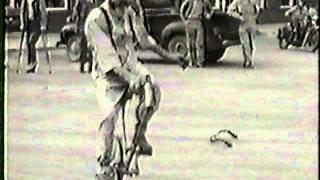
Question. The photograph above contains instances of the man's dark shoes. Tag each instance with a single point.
(145, 147)
(200, 65)
(107, 174)
(32, 68)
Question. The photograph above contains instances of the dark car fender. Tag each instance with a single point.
(67, 31)
(172, 29)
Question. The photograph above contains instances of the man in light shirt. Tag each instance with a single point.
(247, 11)
(192, 13)
(33, 18)
(117, 71)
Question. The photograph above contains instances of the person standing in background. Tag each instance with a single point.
(79, 14)
(34, 20)
(192, 13)
(247, 11)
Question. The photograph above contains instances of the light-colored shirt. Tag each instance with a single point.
(121, 36)
(247, 11)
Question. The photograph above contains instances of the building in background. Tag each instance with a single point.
(58, 10)
(273, 10)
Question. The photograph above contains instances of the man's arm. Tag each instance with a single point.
(208, 8)
(256, 6)
(232, 9)
(290, 11)
(183, 9)
(75, 12)
(141, 10)
(22, 18)
(44, 14)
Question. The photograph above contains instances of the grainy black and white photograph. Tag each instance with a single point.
(161, 89)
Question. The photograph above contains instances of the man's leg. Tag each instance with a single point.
(144, 115)
(32, 52)
(110, 106)
(189, 41)
(28, 34)
(200, 44)
(245, 49)
(83, 56)
(252, 47)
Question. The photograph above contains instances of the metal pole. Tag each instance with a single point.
(44, 40)
(20, 57)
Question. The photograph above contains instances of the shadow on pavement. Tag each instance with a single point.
(157, 61)
(225, 64)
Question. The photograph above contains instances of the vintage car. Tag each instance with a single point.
(164, 23)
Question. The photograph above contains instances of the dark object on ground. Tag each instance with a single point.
(214, 138)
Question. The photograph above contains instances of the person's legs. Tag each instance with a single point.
(144, 115)
(33, 35)
(252, 46)
(83, 56)
(200, 44)
(245, 47)
(109, 102)
(190, 42)
(28, 34)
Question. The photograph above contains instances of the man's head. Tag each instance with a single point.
(122, 3)
(119, 3)
(300, 3)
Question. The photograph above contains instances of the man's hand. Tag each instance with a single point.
(137, 82)
(69, 19)
(43, 28)
(21, 27)
(208, 16)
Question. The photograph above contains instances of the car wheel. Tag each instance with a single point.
(283, 43)
(178, 44)
(74, 48)
(283, 36)
(214, 55)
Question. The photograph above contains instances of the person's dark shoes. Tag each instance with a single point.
(245, 64)
(82, 68)
(32, 68)
(145, 147)
(183, 62)
(105, 176)
(200, 64)
(250, 65)
(107, 173)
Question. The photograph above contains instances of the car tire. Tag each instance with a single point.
(177, 44)
(74, 48)
(314, 40)
(214, 55)
(283, 35)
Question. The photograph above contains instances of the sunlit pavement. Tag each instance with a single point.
(52, 119)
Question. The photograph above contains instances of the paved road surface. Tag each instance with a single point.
(52, 119)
